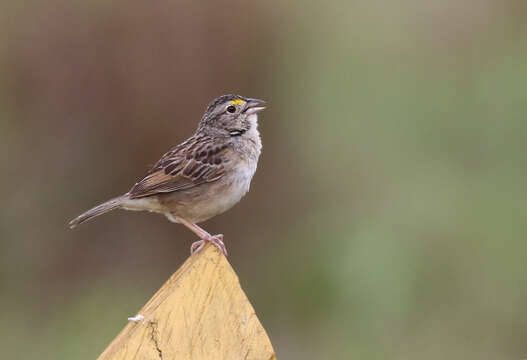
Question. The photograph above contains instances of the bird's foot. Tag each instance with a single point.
(197, 246)
(216, 240)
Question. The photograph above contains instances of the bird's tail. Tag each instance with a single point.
(98, 210)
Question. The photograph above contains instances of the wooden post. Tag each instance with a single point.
(201, 312)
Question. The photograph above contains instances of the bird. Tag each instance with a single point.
(202, 177)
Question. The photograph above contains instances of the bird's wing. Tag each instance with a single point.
(198, 160)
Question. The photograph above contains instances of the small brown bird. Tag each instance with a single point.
(202, 177)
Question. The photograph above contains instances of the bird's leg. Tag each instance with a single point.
(216, 240)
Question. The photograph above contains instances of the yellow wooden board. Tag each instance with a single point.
(201, 312)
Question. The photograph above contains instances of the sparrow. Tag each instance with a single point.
(202, 177)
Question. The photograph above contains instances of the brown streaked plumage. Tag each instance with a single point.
(202, 177)
(198, 160)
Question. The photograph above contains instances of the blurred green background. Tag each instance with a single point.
(387, 216)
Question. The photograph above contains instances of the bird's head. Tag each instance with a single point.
(231, 115)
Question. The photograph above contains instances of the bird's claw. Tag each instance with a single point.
(216, 240)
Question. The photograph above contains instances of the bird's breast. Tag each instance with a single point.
(227, 192)
(211, 199)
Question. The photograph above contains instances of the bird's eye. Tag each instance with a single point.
(231, 109)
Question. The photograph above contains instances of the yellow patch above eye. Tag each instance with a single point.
(237, 102)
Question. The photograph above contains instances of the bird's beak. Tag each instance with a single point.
(254, 106)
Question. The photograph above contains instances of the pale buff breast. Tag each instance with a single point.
(198, 206)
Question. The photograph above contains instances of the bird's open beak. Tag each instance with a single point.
(254, 106)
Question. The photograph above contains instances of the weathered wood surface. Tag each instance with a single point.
(201, 312)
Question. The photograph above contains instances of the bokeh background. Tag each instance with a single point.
(387, 218)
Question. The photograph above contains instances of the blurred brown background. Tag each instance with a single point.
(387, 215)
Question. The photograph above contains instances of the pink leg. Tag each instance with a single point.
(216, 240)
